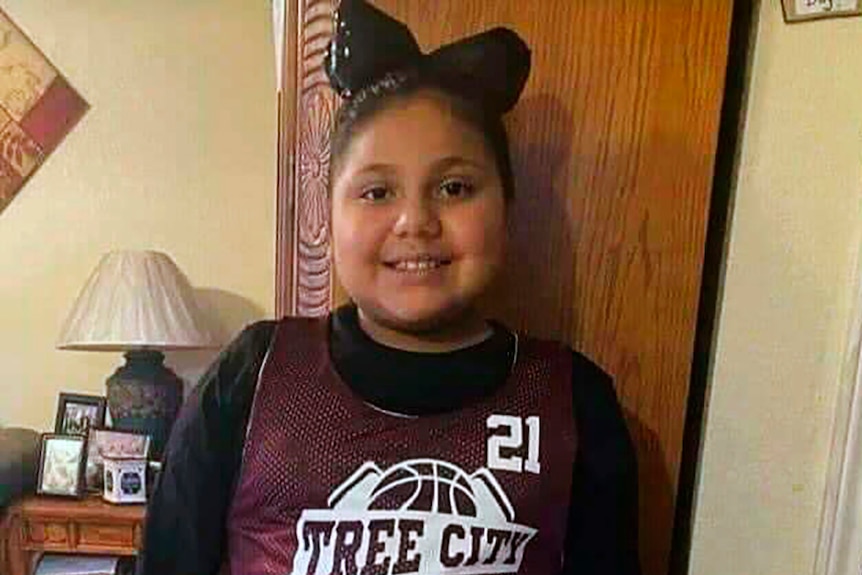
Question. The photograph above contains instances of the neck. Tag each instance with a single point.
(468, 331)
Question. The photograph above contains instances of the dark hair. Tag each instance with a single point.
(375, 98)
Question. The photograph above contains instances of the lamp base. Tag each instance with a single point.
(144, 396)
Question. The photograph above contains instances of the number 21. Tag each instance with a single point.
(513, 438)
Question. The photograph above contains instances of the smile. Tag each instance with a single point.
(417, 265)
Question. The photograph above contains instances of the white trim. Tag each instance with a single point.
(390, 413)
(515, 355)
(839, 550)
(279, 24)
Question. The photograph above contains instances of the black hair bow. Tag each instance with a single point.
(491, 68)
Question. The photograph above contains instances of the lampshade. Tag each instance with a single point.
(135, 300)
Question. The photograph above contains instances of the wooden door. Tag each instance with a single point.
(614, 145)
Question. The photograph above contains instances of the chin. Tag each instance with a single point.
(419, 320)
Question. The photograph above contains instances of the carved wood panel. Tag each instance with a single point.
(306, 113)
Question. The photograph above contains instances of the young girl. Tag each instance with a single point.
(404, 433)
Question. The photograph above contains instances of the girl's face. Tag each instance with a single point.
(418, 217)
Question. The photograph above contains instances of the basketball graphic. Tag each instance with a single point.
(425, 486)
(425, 514)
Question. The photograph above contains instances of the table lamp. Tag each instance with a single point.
(138, 302)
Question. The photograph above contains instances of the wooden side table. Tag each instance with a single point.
(36, 525)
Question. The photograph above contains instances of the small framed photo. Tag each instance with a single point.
(111, 443)
(76, 414)
(61, 465)
(801, 10)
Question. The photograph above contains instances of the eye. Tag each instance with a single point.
(375, 194)
(455, 188)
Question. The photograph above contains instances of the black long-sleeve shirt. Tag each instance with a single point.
(185, 533)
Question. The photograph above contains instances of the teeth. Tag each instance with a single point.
(417, 265)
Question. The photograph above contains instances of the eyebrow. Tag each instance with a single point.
(385, 168)
(451, 161)
(440, 165)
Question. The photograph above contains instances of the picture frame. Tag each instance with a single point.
(104, 442)
(40, 109)
(804, 10)
(61, 465)
(77, 413)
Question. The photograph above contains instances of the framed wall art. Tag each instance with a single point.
(38, 108)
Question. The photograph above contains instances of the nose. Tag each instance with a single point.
(418, 216)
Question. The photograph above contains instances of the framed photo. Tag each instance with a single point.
(61, 465)
(112, 443)
(76, 414)
(801, 10)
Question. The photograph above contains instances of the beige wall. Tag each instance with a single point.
(784, 317)
(177, 153)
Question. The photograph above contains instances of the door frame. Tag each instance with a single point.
(743, 30)
(839, 548)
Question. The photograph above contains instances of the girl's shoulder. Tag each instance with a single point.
(255, 332)
(583, 367)
(255, 338)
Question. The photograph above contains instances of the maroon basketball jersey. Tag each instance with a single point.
(330, 485)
